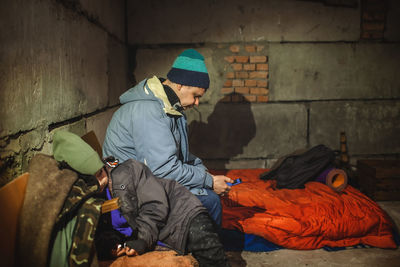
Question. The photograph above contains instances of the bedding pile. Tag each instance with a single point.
(310, 218)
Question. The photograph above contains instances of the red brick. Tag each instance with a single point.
(377, 35)
(242, 74)
(258, 91)
(373, 26)
(262, 83)
(230, 75)
(229, 59)
(378, 6)
(237, 98)
(262, 98)
(234, 48)
(250, 98)
(228, 83)
(371, 16)
(226, 98)
(227, 90)
(242, 90)
(237, 66)
(249, 66)
(237, 83)
(258, 74)
(372, 2)
(250, 48)
(260, 48)
(372, 35)
(365, 35)
(262, 66)
(250, 83)
(242, 59)
(258, 59)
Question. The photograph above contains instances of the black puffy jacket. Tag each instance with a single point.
(294, 170)
(155, 208)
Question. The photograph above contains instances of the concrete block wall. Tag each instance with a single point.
(63, 65)
(321, 67)
(327, 67)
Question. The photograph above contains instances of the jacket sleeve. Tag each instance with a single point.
(152, 204)
(153, 134)
(195, 161)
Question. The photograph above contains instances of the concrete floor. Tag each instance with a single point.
(350, 257)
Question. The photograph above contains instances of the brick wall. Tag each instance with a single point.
(247, 76)
(373, 17)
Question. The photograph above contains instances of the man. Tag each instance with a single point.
(155, 209)
(151, 127)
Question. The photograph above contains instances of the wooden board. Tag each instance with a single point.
(11, 199)
(379, 179)
(92, 140)
(110, 205)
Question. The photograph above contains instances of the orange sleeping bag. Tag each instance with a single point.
(308, 218)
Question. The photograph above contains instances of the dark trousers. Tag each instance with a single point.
(213, 204)
(203, 242)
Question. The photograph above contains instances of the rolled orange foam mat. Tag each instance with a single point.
(334, 178)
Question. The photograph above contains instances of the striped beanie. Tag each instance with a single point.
(189, 69)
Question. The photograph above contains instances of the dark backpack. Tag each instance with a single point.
(294, 170)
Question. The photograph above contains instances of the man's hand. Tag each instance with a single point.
(220, 186)
(130, 252)
(120, 251)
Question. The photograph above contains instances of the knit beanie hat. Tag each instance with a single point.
(189, 69)
(76, 153)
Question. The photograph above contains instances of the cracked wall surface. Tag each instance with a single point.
(284, 74)
(64, 64)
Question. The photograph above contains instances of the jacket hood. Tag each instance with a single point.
(150, 90)
(135, 93)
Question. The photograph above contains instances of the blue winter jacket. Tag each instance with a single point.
(148, 129)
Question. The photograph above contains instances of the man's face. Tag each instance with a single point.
(190, 96)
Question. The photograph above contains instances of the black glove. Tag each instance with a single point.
(139, 245)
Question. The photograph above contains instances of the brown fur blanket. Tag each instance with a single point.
(153, 259)
(46, 191)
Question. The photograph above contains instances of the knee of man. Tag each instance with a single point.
(214, 199)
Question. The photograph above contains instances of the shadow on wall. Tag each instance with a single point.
(229, 128)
